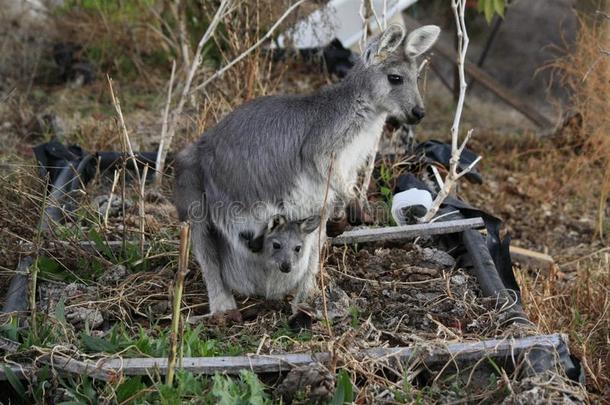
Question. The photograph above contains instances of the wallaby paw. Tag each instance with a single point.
(230, 317)
(222, 304)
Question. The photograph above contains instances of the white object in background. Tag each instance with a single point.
(339, 19)
(410, 198)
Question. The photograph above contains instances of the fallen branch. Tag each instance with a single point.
(507, 353)
(406, 231)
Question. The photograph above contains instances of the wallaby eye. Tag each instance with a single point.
(297, 248)
(277, 245)
(395, 79)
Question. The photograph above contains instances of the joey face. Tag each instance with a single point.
(281, 244)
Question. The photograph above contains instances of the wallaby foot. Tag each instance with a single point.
(223, 302)
(232, 316)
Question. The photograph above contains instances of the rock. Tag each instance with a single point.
(459, 279)
(314, 380)
(84, 316)
(116, 205)
(337, 303)
(437, 258)
(113, 275)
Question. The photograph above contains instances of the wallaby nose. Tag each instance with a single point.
(285, 267)
(418, 113)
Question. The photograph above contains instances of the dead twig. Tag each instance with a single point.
(453, 176)
(168, 136)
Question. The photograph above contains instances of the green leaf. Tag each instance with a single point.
(499, 7)
(257, 389)
(60, 310)
(345, 390)
(480, 6)
(129, 388)
(100, 243)
(489, 10)
(15, 382)
(96, 344)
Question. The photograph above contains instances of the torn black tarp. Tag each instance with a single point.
(69, 169)
(439, 152)
(337, 59)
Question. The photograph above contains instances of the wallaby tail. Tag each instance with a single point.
(188, 190)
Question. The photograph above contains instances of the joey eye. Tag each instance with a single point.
(297, 248)
(277, 245)
(395, 79)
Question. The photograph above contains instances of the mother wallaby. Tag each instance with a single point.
(273, 156)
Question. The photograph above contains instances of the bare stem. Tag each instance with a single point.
(453, 176)
(171, 130)
(183, 259)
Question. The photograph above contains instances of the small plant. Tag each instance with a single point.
(491, 7)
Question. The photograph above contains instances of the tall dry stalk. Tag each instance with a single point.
(183, 260)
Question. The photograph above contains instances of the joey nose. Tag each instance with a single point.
(418, 113)
(285, 267)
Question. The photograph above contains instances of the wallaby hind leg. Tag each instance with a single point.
(206, 248)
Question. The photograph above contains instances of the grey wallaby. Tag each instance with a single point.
(292, 155)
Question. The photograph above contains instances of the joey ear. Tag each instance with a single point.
(308, 225)
(387, 43)
(421, 39)
(275, 221)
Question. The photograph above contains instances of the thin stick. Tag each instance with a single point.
(117, 107)
(180, 275)
(453, 176)
(252, 48)
(323, 223)
(158, 163)
(110, 197)
(34, 266)
(171, 131)
(141, 210)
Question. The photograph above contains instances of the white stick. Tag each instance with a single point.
(163, 142)
(164, 146)
(453, 176)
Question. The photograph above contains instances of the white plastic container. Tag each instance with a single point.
(340, 19)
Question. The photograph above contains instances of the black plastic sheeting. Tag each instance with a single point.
(336, 59)
(439, 152)
(69, 169)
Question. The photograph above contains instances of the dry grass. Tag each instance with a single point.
(585, 71)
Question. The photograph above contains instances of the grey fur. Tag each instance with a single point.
(272, 156)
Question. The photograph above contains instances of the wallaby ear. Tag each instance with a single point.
(308, 225)
(255, 244)
(421, 39)
(387, 43)
(275, 221)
